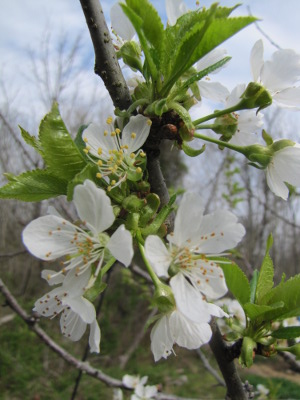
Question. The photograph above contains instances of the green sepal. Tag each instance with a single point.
(253, 285)
(132, 221)
(237, 282)
(163, 298)
(88, 172)
(60, 152)
(247, 352)
(266, 274)
(152, 228)
(132, 203)
(158, 107)
(289, 332)
(33, 141)
(92, 293)
(149, 210)
(130, 52)
(33, 185)
(267, 138)
(190, 151)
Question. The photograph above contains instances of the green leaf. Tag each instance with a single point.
(266, 274)
(237, 282)
(253, 285)
(289, 293)
(34, 185)
(60, 152)
(190, 151)
(289, 332)
(32, 141)
(152, 25)
(254, 311)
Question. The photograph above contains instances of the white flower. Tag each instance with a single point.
(248, 121)
(284, 167)
(195, 237)
(212, 90)
(278, 75)
(76, 311)
(51, 237)
(120, 23)
(141, 392)
(175, 327)
(115, 153)
(175, 9)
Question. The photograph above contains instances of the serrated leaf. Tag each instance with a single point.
(190, 151)
(34, 185)
(60, 152)
(289, 332)
(237, 282)
(266, 275)
(31, 140)
(289, 293)
(255, 311)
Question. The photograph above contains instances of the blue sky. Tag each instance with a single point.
(23, 23)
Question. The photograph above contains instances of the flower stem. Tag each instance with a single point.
(152, 274)
(217, 114)
(107, 266)
(239, 149)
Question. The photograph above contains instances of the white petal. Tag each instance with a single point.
(188, 219)
(287, 164)
(94, 137)
(74, 284)
(71, 325)
(174, 9)
(121, 23)
(219, 231)
(93, 207)
(57, 278)
(187, 333)
(82, 307)
(188, 300)
(256, 59)
(95, 337)
(276, 184)
(130, 381)
(120, 245)
(158, 255)
(48, 305)
(161, 339)
(48, 237)
(213, 91)
(235, 95)
(140, 126)
(289, 97)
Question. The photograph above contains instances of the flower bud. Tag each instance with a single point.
(164, 298)
(248, 352)
(226, 125)
(132, 203)
(255, 96)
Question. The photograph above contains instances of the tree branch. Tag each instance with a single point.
(106, 63)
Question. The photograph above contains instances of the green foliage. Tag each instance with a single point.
(237, 282)
(33, 185)
(289, 332)
(32, 141)
(266, 274)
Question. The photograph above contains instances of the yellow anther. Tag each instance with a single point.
(85, 151)
(115, 151)
(113, 182)
(125, 146)
(109, 120)
(142, 154)
(85, 139)
(149, 122)
(99, 163)
(98, 175)
(109, 188)
(118, 131)
(110, 168)
(105, 133)
(99, 151)
(110, 151)
(132, 155)
(111, 158)
(133, 135)
(48, 277)
(113, 133)
(197, 3)
(138, 170)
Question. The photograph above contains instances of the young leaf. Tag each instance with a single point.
(266, 274)
(289, 332)
(60, 152)
(34, 185)
(32, 141)
(190, 151)
(88, 172)
(255, 311)
(237, 282)
(253, 285)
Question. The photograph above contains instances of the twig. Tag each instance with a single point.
(106, 63)
(209, 367)
(85, 367)
(289, 358)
